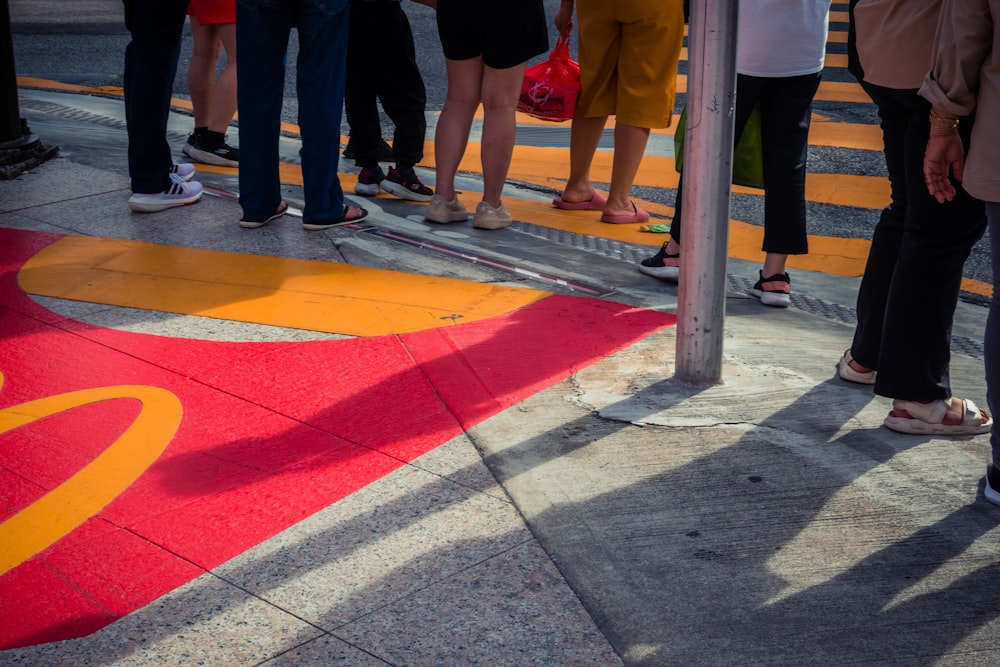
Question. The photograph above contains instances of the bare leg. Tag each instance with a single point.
(500, 90)
(630, 146)
(201, 71)
(452, 134)
(223, 106)
(585, 135)
(774, 264)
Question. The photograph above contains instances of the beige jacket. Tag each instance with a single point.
(894, 40)
(965, 76)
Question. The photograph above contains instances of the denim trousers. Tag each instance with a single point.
(150, 67)
(785, 105)
(262, 29)
(382, 66)
(991, 342)
(907, 299)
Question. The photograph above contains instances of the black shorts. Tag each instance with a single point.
(504, 32)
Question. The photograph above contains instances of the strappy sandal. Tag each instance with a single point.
(938, 418)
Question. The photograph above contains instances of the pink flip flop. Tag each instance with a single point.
(638, 216)
(596, 203)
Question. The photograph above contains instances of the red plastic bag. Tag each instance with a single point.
(550, 88)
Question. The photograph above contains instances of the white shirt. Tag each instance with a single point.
(781, 37)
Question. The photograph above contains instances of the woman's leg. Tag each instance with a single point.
(630, 146)
(201, 71)
(915, 352)
(500, 91)
(465, 82)
(585, 135)
(991, 342)
(223, 106)
(785, 115)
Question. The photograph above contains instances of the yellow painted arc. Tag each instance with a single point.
(64, 508)
(278, 291)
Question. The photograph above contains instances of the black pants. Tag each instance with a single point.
(907, 299)
(785, 107)
(382, 65)
(150, 66)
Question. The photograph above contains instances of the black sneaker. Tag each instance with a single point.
(201, 148)
(385, 153)
(408, 187)
(662, 265)
(773, 290)
(369, 182)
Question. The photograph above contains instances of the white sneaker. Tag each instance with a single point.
(992, 488)
(488, 217)
(183, 169)
(179, 193)
(441, 211)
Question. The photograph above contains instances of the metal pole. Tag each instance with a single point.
(10, 114)
(708, 146)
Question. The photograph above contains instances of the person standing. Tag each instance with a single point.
(322, 27)
(388, 74)
(783, 83)
(912, 279)
(150, 66)
(213, 28)
(487, 45)
(628, 51)
(964, 80)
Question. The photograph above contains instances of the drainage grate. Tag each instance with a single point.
(633, 254)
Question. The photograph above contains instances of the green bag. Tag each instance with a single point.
(748, 163)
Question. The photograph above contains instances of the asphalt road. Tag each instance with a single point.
(83, 42)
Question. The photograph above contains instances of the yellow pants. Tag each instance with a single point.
(629, 50)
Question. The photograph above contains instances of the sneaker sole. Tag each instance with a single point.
(492, 224)
(775, 299)
(367, 189)
(671, 273)
(208, 158)
(454, 217)
(155, 207)
(989, 492)
(402, 192)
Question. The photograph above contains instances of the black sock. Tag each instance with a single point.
(405, 170)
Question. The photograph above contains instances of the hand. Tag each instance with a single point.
(944, 156)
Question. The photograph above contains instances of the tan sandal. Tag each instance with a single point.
(938, 418)
(847, 372)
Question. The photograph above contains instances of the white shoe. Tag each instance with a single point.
(179, 193)
(441, 211)
(488, 217)
(183, 169)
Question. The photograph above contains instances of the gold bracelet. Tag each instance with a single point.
(941, 123)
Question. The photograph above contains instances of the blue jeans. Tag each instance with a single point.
(991, 344)
(263, 27)
(907, 298)
(150, 66)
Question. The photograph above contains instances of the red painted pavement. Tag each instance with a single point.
(271, 433)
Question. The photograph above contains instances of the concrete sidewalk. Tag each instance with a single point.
(615, 517)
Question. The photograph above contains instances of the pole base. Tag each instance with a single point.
(20, 155)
